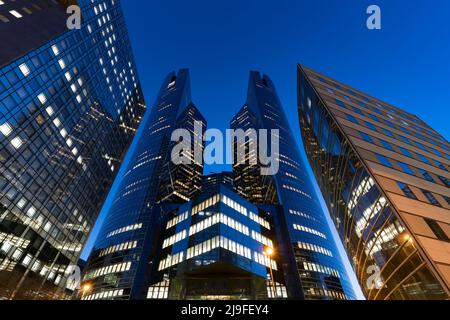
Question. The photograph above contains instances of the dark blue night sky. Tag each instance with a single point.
(407, 63)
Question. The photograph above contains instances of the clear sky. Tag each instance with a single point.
(407, 63)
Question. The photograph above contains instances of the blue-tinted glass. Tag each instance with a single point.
(387, 145)
(390, 124)
(426, 175)
(406, 168)
(352, 119)
(374, 117)
(388, 133)
(405, 139)
(407, 190)
(436, 152)
(431, 198)
(357, 110)
(405, 152)
(340, 103)
(371, 126)
(440, 165)
(421, 146)
(423, 158)
(384, 161)
(377, 111)
(366, 137)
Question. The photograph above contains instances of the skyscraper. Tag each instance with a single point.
(311, 263)
(125, 254)
(384, 175)
(70, 103)
(173, 234)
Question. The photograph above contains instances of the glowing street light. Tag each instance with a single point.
(87, 287)
(269, 252)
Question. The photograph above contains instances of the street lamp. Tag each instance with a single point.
(269, 252)
(85, 289)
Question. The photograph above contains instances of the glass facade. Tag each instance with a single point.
(214, 248)
(314, 269)
(374, 184)
(69, 108)
(121, 265)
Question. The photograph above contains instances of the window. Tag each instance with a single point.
(421, 146)
(431, 198)
(440, 165)
(426, 175)
(405, 152)
(16, 14)
(366, 137)
(387, 145)
(388, 133)
(340, 103)
(447, 199)
(5, 129)
(437, 230)
(371, 126)
(405, 140)
(358, 111)
(406, 168)
(352, 119)
(436, 152)
(423, 158)
(384, 161)
(445, 181)
(24, 69)
(407, 190)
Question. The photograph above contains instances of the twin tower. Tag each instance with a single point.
(172, 233)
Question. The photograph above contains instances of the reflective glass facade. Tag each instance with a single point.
(69, 108)
(121, 265)
(313, 266)
(384, 175)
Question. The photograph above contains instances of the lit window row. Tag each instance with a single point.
(297, 190)
(315, 248)
(264, 260)
(104, 295)
(319, 268)
(280, 290)
(219, 218)
(325, 292)
(146, 162)
(301, 214)
(9, 241)
(219, 242)
(206, 204)
(214, 243)
(125, 229)
(309, 230)
(119, 247)
(115, 268)
(259, 220)
(262, 239)
(159, 290)
(234, 205)
(178, 219)
(363, 188)
(174, 239)
(171, 261)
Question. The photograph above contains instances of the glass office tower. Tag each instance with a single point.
(124, 256)
(313, 268)
(70, 103)
(214, 247)
(384, 175)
